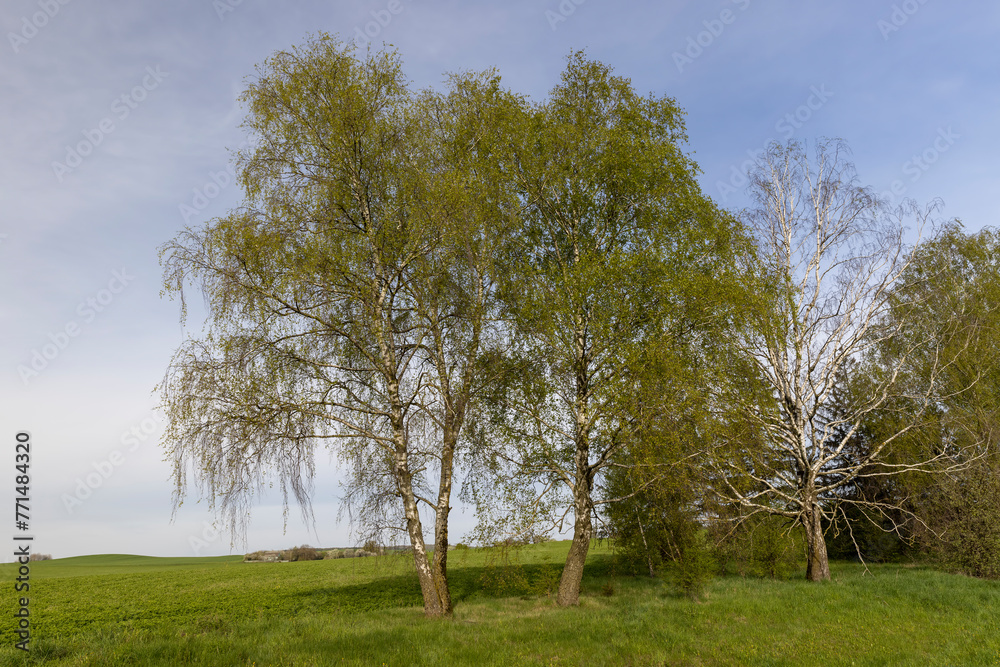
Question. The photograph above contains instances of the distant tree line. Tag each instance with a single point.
(538, 297)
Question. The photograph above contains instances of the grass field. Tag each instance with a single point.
(134, 610)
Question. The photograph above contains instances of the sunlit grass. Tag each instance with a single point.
(367, 612)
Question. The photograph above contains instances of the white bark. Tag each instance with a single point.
(834, 251)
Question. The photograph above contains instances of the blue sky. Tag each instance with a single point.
(117, 120)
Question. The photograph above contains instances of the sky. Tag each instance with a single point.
(118, 121)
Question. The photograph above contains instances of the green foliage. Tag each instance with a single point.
(962, 512)
(759, 546)
(348, 295)
(695, 565)
(617, 257)
(951, 294)
(880, 537)
(652, 528)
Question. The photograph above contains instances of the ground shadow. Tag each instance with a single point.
(466, 582)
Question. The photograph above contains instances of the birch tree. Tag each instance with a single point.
(345, 296)
(834, 252)
(615, 243)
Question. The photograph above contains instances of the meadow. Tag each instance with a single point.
(134, 610)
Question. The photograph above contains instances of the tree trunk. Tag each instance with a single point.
(818, 567)
(430, 585)
(645, 545)
(439, 565)
(572, 575)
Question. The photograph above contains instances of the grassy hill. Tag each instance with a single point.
(135, 610)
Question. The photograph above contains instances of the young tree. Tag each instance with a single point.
(834, 251)
(346, 297)
(953, 287)
(615, 245)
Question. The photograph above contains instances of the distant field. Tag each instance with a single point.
(135, 610)
(82, 566)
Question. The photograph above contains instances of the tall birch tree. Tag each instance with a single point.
(834, 252)
(615, 243)
(345, 296)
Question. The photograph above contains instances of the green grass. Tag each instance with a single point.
(132, 610)
(81, 566)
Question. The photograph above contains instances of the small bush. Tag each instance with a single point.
(335, 553)
(37, 557)
(305, 552)
(544, 580)
(760, 546)
(696, 565)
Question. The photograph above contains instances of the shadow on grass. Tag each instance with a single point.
(467, 582)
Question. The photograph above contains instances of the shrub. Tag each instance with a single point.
(650, 528)
(36, 557)
(695, 566)
(304, 552)
(760, 546)
(963, 511)
(872, 534)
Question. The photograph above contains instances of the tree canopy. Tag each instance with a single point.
(536, 302)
